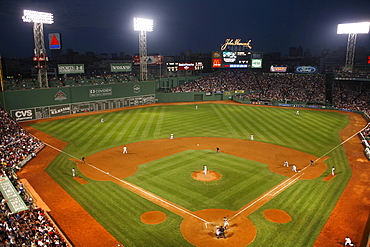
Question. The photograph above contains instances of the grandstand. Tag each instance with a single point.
(30, 225)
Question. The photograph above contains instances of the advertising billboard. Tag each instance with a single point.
(256, 63)
(186, 66)
(150, 60)
(120, 67)
(278, 69)
(71, 68)
(54, 41)
(306, 70)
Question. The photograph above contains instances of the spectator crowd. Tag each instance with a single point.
(31, 227)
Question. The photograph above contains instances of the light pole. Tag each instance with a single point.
(352, 29)
(38, 19)
(143, 26)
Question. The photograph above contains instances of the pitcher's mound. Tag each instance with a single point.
(153, 217)
(277, 216)
(210, 176)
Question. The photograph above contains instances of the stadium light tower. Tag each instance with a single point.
(143, 26)
(352, 29)
(39, 19)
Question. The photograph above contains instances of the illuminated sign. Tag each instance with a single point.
(279, 69)
(120, 67)
(231, 59)
(54, 41)
(216, 63)
(150, 60)
(306, 69)
(232, 42)
(71, 68)
(186, 66)
(256, 63)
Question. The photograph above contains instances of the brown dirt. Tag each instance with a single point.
(83, 230)
(329, 177)
(80, 180)
(210, 176)
(153, 217)
(277, 216)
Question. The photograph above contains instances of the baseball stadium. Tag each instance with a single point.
(159, 193)
(234, 157)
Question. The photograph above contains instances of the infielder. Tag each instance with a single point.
(124, 150)
(205, 170)
(252, 137)
(286, 163)
(294, 168)
(348, 242)
(171, 136)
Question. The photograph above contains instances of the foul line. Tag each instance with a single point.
(134, 186)
(286, 183)
(341, 143)
(157, 198)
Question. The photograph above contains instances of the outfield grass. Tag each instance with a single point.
(309, 202)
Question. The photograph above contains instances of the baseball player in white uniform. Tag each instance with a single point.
(286, 163)
(226, 223)
(294, 168)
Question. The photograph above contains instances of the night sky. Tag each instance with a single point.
(197, 25)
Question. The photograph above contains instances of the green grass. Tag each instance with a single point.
(308, 202)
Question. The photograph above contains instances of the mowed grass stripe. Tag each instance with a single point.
(223, 116)
(140, 123)
(231, 116)
(159, 122)
(114, 122)
(151, 114)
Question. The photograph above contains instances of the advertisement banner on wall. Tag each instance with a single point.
(306, 70)
(278, 69)
(120, 67)
(150, 60)
(71, 69)
(256, 63)
(186, 66)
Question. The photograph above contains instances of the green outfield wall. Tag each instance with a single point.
(49, 102)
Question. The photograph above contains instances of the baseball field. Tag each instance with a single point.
(159, 195)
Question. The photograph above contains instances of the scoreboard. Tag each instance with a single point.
(231, 59)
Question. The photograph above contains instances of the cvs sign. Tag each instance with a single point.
(22, 115)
